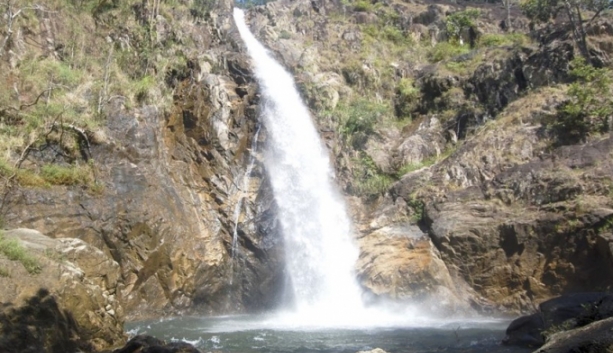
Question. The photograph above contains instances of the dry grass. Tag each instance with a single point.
(72, 79)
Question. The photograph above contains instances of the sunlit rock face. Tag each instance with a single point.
(167, 171)
(68, 297)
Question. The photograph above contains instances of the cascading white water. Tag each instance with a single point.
(320, 253)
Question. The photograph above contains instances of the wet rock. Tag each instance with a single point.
(401, 263)
(593, 338)
(149, 344)
(526, 331)
(562, 314)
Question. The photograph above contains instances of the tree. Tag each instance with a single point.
(590, 104)
(544, 10)
(459, 21)
(507, 6)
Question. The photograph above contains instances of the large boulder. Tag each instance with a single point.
(526, 331)
(564, 313)
(593, 338)
(400, 263)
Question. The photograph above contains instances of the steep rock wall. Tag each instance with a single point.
(169, 182)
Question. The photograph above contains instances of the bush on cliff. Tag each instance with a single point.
(590, 105)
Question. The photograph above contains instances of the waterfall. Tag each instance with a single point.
(320, 251)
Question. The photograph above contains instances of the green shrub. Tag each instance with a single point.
(363, 6)
(418, 209)
(4, 272)
(590, 104)
(406, 98)
(285, 35)
(411, 167)
(373, 185)
(497, 40)
(12, 249)
(368, 180)
(142, 87)
(457, 21)
(357, 120)
(59, 175)
(445, 50)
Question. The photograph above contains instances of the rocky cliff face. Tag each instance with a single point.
(168, 192)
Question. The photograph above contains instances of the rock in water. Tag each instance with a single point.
(526, 331)
(593, 338)
(376, 350)
(149, 344)
(564, 319)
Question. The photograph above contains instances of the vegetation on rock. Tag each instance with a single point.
(14, 251)
(590, 105)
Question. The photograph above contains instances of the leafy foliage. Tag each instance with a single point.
(545, 10)
(590, 104)
(457, 21)
(363, 6)
(358, 118)
(406, 98)
(496, 40)
(59, 175)
(445, 50)
(540, 10)
(417, 207)
(368, 179)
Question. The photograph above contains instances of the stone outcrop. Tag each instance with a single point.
(576, 322)
(169, 180)
(595, 337)
(72, 303)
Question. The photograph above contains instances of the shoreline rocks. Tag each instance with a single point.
(580, 321)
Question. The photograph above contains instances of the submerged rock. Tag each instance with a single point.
(149, 344)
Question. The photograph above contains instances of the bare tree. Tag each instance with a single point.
(11, 15)
(544, 10)
(507, 5)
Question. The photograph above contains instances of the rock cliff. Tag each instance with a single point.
(161, 192)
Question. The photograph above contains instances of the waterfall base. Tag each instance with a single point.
(255, 334)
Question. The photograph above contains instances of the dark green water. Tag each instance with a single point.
(257, 334)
